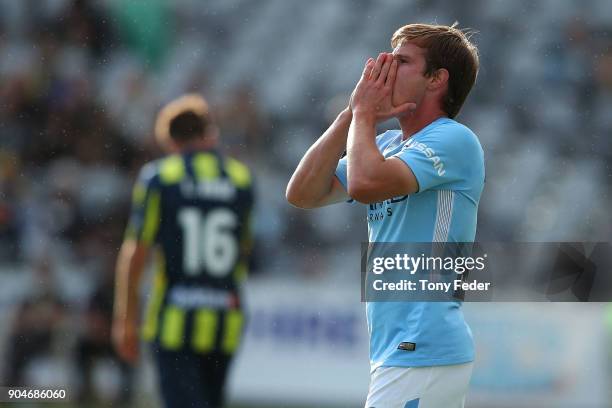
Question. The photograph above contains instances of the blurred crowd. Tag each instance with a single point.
(81, 82)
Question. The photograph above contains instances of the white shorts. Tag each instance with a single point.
(419, 387)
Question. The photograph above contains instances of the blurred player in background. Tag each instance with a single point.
(192, 209)
(423, 184)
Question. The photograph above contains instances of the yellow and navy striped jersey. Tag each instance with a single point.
(194, 208)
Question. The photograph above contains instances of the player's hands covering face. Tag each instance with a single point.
(372, 96)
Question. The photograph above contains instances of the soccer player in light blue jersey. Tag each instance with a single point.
(421, 183)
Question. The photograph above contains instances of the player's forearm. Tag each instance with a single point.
(130, 266)
(364, 158)
(312, 180)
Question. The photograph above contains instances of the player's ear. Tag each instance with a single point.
(439, 79)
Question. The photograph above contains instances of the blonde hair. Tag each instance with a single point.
(184, 118)
(447, 47)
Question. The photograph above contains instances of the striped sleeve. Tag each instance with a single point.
(444, 214)
(145, 214)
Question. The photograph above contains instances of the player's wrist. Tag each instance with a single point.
(346, 115)
(124, 321)
(364, 116)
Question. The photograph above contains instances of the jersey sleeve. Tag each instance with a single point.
(241, 177)
(341, 168)
(145, 214)
(445, 157)
(341, 172)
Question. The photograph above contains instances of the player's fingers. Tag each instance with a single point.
(384, 71)
(367, 70)
(377, 67)
(134, 352)
(122, 352)
(392, 74)
(129, 351)
(403, 108)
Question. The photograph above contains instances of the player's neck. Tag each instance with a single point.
(195, 145)
(412, 122)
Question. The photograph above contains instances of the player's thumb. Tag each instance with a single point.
(404, 108)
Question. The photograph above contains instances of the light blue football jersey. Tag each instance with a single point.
(448, 163)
